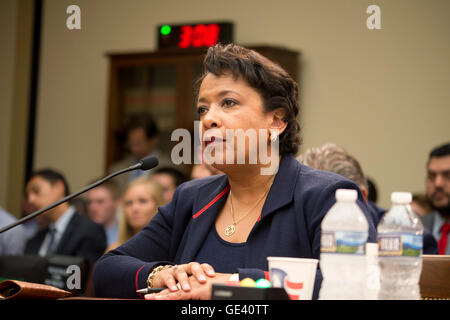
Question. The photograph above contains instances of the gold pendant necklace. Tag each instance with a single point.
(229, 231)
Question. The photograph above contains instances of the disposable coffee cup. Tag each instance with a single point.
(295, 275)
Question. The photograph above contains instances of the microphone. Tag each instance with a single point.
(146, 163)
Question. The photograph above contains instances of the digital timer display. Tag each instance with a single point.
(194, 35)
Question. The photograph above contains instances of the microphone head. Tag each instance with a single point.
(148, 163)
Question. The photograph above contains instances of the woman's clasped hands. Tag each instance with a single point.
(191, 281)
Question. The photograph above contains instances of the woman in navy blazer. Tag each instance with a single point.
(231, 223)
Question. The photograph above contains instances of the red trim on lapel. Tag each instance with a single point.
(136, 281)
(220, 195)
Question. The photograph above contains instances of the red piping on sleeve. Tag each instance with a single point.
(136, 282)
(220, 195)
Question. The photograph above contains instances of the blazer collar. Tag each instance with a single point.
(212, 196)
(210, 199)
(282, 190)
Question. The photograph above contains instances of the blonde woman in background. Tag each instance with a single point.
(140, 203)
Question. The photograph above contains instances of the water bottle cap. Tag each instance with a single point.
(346, 195)
(401, 197)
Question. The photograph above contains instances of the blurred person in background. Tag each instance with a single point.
(203, 170)
(13, 241)
(331, 157)
(34, 225)
(103, 203)
(372, 189)
(142, 136)
(140, 203)
(420, 204)
(169, 179)
(68, 233)
(438, 194)
(80, 205)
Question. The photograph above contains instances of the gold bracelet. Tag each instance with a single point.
(154, 273)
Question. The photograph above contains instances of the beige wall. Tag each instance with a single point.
(8, 20)
(382, 94)
(15, 37)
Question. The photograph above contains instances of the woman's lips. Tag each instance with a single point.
(212, 140)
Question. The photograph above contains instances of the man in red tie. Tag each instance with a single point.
(438, 193)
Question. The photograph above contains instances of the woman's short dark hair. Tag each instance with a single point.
(274, 84)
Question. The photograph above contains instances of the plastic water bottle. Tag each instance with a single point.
(400, 242)
(342, 259)
(373, 272)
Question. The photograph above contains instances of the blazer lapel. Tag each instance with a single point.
(282, 191)
(68, 235)
(34, 244)
(210, 200)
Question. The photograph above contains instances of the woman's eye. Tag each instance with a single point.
(229, 103)
(201, 110)
(128, 203)
(143, 201)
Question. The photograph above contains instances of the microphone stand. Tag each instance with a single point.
(71, 196)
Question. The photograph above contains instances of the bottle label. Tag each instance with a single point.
(343, 242)
(400, 244)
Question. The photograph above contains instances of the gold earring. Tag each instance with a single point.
(273, 135)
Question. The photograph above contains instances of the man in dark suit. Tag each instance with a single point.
(68, 233)
(438, 194)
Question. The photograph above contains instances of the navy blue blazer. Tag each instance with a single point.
(289, 226)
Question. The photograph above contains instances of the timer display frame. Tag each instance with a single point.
(197, 35)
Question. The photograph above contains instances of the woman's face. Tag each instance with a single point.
(223, 104)
(139, 206)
